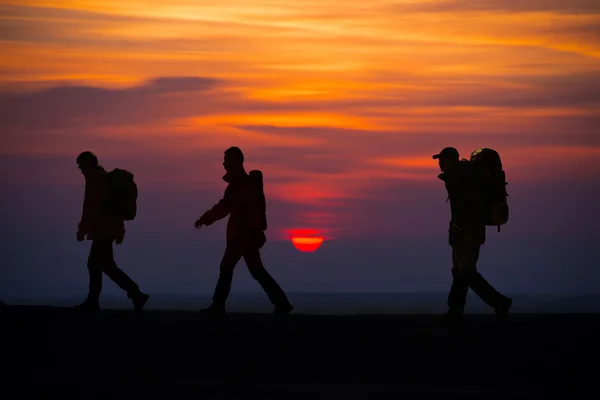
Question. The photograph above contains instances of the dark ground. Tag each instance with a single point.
(56, 353)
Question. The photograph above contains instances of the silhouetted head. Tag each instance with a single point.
(87, 161)
(448, 158)
(233, 160)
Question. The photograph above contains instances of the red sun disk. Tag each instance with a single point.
(307, 244)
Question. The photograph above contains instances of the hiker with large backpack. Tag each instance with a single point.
(110, 199)
(244, 203)
(475, 202)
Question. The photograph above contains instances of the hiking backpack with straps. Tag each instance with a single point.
(123, 194)
(488, 167)
(256, 177)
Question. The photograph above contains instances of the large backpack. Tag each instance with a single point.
(122, 194)
(256, 177)
(488, 167)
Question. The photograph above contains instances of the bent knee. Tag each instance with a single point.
(226, 267)
(94, 264)
(466, 264)
(225, 272)
(257, 272)
(467, 272)
(101, 263)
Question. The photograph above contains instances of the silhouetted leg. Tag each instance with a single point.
(106, 263)
(486, 292)
(95, 261)
(457, 297)
(95, 284)
(267, 282)
(468, 257)
(230, 259)
(122, 280)
(94, 266)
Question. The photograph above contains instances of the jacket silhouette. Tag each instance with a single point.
(96, 221)
(240, 203)
(466, 236)
(102, 228)
(466, 203)
(245, 236)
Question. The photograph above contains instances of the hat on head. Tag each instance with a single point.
(449, 152)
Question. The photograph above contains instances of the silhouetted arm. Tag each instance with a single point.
(91, 206)
(231, 198)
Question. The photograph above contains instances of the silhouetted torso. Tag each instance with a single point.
(96, 221)
(240, 202)
(466, 202)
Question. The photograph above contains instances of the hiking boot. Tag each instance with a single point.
(139, 301)
(283, 310)
(88, 306)
(502, 312)
(214, 310)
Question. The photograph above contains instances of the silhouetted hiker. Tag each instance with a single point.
(109, 200)
(244, 202)
(466, 236)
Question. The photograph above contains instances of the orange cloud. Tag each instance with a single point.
(331, 99)
(534, 157)
(412, 162)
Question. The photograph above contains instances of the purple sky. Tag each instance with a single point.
(341, 104)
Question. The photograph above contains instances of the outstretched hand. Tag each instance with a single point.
(80, 236)
(198, 224)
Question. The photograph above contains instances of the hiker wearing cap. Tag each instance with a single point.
(467, 233)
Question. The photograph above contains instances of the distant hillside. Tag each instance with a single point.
(346, 303)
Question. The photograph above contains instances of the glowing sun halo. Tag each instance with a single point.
(307, 244)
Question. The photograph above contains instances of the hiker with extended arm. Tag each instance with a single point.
(243, 201)
(231, 204)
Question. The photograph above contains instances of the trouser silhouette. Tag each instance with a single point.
(233, 254)
(101, 259)
(465, 255)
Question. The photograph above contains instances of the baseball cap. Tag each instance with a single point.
(447, 152)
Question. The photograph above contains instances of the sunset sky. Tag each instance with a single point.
(341, 103)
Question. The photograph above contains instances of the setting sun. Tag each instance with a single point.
(307, 244)
(306, 240)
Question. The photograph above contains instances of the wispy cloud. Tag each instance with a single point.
(340, 102)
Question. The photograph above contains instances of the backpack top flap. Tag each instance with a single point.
(486, 159)
(489, 165)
